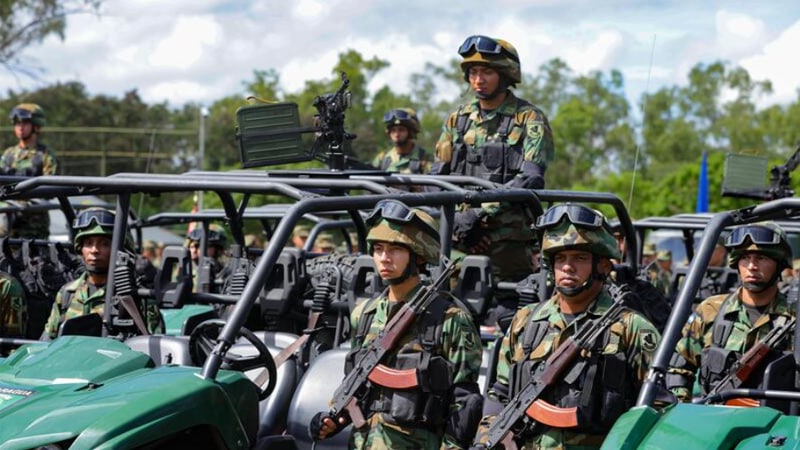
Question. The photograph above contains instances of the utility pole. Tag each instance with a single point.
(202, 146)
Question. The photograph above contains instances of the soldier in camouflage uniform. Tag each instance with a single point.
(725, 326)
(29, 158)
(501, 138)
(578, 248)
(216, 244)
(13, 307)
(86, 294)
(405, 156)
(402, 241)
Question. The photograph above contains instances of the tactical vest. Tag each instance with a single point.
(716, 360)
(35, 169)
(495, 160)
(598, 386)
(414, 164)
(427, 405)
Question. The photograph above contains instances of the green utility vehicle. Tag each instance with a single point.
(707, 423)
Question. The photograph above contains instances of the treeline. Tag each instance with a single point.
(602, 142)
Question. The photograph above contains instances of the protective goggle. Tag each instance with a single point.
(757, 235)
(98, 216)
(577, 215)
(397, 114)
(484, 45)
(395, 211)
(19, 114)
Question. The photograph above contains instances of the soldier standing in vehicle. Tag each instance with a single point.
(29, 158)
(94, 229)
(405, 156)
(443, 344)
(603, 383)
(725, 326)
(216, 244)
(500, 138)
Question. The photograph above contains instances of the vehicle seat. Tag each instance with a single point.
(173, 282)
(163, 349)
(312, 396)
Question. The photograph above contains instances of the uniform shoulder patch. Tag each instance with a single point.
(649, 341)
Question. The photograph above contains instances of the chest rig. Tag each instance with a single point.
(414, 161)
(496, 160)
(33, 169)
(425, 405)
(598, 385)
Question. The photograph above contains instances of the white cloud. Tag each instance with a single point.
(187, 43)
(774, 63)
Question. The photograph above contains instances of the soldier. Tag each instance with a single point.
(13, 307)
(578, 247)
(503, 139)
(85, 295)
(725, 326)
(149, 252)
(402, 241)
(30, 157)
(405, 156)
(216, 244)
(324, 243)
(300, 236)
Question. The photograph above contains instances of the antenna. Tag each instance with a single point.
(644, 110)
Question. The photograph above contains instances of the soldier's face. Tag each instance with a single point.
(23, 129)
(755, 268)
(398, 134)
(96, 252)
(390, 259)
(483, 80)
(572, 268)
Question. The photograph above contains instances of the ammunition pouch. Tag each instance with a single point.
(675, 380)
(463, 423)
(499, 162)
(459, 161)
(426, 405)
(716, 362)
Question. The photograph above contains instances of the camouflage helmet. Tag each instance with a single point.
(406, 117)
(576, 227)
(216, 236)
(765, 238)
(392, 221)
(495, 53)
(93, 222)
(27, 111)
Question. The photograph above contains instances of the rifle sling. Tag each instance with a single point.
(128, 303)
(552, 415)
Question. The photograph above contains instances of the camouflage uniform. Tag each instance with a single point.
(86, 299)
(13, 307)
(460, 345)
(30, 163)
(697, 333)
(632, 335)
(507, 225)
(416, 161)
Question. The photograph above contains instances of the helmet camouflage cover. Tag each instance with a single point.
(411, 122)
(93, 228)
(780, 252)
(507, 62)
(28, 111)
(567, 236)
(408, 234)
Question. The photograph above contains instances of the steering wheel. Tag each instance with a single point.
(204, 338)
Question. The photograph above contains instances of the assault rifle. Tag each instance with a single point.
(741, 370)
(526, 408)
(369, 368)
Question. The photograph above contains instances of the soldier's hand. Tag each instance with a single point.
(323, 426)
(482, 246)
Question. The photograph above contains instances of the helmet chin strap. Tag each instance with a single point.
(760, 286)
(595, 275)
(411, 269)
(95, 270)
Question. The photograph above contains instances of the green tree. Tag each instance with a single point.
(26, 22)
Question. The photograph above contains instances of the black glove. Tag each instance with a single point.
(316, 425)
(467, 228)
(531, 176)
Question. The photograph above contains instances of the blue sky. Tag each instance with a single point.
(202, 50)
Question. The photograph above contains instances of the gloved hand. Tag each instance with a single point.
(531, 176)
(323, 426)
(467, 229)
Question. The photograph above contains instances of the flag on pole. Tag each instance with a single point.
(702, 185)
